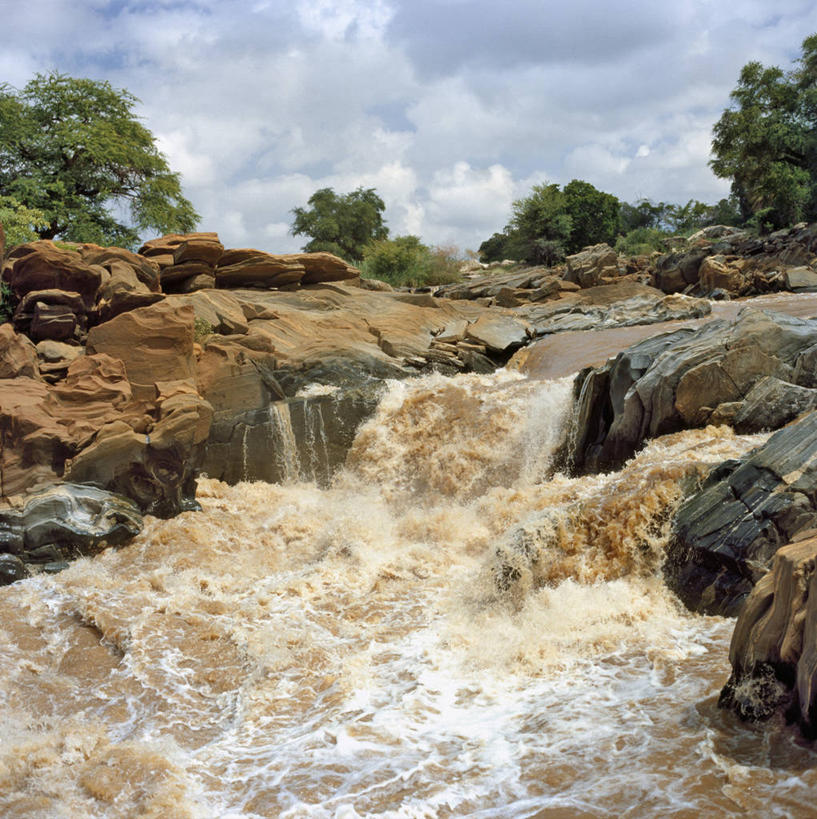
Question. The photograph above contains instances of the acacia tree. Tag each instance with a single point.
(767, 141)
(341, 224)
(74, 151)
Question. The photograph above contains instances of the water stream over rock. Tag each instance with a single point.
(447, 629)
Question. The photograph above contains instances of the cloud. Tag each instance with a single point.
(451, 109)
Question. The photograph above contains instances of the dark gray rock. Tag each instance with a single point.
(725, 536)
(771, 403)
(681, 380)
(62, 522)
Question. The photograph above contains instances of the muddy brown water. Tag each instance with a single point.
(444, 632)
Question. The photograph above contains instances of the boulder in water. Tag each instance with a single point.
(725, 536)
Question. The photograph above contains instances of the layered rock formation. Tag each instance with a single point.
(726, 534)
(729, 262)
(774, 645)
(690, 378)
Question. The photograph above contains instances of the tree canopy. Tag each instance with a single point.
(73, 152)
(550, 222)
(766, 142)
(341, 224)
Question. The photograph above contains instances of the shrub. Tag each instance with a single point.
(406, 262)
(641, 242)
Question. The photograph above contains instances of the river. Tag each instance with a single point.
(448, 630)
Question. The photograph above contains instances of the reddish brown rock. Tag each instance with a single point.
(199, 249)
(18, 356)
(324, 267)
(145, 270)
(155, 343)
(43, 266)
(245, 267)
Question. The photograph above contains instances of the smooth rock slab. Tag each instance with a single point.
(499, 332)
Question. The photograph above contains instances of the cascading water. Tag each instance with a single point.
(446, 631)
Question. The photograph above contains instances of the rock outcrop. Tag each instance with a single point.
(591, 266)
(726, 534)
(51, 526)
(774, 645)
(732, 262)
(685, 379)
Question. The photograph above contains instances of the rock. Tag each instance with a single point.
(587, 267)
(676, 381)
(158, 470)
(201, 248)
(715, 232)
(174, 276)
(65, 521)
(126, 289)
(774, 645)
(219, 310)
(253, 268)
(43, 266)
(800, 279)
(678, 270)
(717, 274)
(18, 356)
(771, 403)
(164, 248)
(324, 267)
(124, 264)
(11, 567)
(155, 343)
(725, 536)
(499, 332)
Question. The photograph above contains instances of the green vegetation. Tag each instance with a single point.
(6, 302)
(201, 329)
(341, 224)
(766, 143)
(406, 262)
(551, 222)
(73, 154)
(19, 222)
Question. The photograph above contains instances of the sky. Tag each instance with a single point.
(450, 109)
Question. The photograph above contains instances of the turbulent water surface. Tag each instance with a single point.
(444, 632)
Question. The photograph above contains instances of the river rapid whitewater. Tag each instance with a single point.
(448, 630)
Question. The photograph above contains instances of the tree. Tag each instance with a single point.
(73, 150)
(540, 226)
(594, 215)
(767, 141)
(341, 224)
(19, 222)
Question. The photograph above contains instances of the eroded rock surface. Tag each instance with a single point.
(774, 645)
(685, 379)
(725, 535)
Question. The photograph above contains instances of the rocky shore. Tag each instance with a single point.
(124, 376)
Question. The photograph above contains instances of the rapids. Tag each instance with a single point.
(448, 630)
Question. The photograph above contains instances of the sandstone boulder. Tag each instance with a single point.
(155, 343)
(245, 267)
(18, 356)
(43, 266)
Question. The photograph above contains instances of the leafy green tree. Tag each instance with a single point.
(767, 141)
(540, 226)
(74, 150)
(341, 224)
(19, 222)
(594, 215)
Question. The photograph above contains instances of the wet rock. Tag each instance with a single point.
(62, 522)
(678, 380)
(12, 569)
(801, 279)
(774, 644)
(725, 536)
(771, 403)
